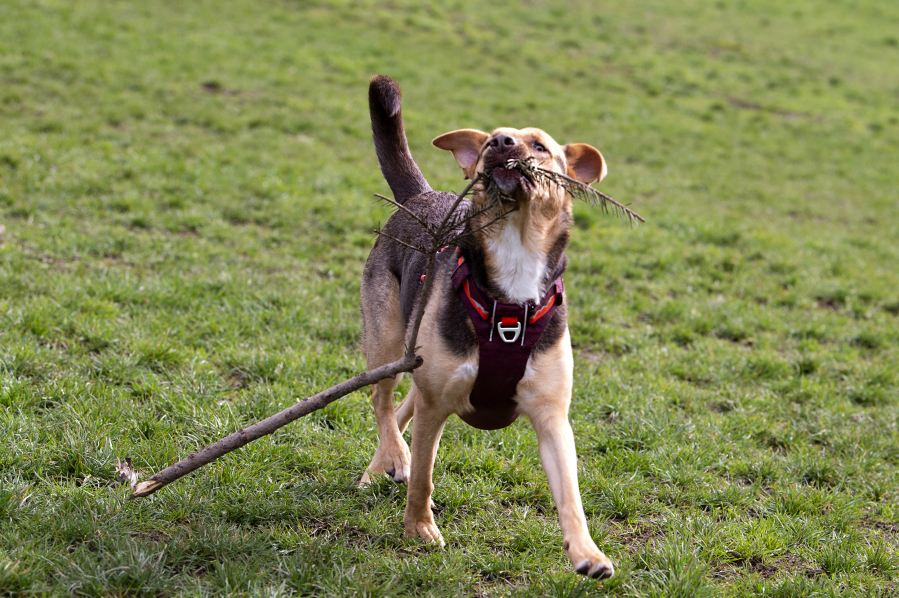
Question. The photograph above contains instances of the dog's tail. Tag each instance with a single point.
(400, 170)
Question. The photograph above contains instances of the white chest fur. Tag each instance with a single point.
(518, 268)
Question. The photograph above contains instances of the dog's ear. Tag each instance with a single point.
(585, 162)
(466, 145)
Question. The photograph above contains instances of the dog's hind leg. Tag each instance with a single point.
(403, 417)
(383, 339)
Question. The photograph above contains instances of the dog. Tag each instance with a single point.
(494, 335)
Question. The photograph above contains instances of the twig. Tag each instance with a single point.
(438, 242)
(400, 206)
(491, 223)
(418, 248)
(459, 199)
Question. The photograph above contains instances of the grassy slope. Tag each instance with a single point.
(185, 190)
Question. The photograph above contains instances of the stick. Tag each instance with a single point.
(267, 426)
(244, 436)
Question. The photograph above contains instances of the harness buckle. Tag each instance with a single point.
(509, 329)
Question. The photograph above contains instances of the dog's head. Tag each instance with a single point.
(476, 151)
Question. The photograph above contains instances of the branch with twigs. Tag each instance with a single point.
(453, 227)
(440, 236)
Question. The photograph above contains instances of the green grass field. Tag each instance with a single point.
(186, 196)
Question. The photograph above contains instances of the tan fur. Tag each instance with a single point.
(441, 386)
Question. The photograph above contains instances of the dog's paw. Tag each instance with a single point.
(426, 530)
(596, 570)
(394, 463)
(590, 561)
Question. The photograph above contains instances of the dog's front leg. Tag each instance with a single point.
(426, 431)
(559, 459)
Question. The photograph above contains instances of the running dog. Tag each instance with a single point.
(494, 335)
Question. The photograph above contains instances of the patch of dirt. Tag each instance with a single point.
(788, 564)
(890, 528)
(189, 231)
(831, 303)
(216, 87)
(884, 526)
(766, 571)
(815, 572)
(638, 536)
(804, 216)
(154, 536)
(746, 105)
(238, 379)
(593, 356)
(723, 406)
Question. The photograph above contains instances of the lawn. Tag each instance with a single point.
(186, 202)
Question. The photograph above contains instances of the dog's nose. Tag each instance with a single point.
(502, 142)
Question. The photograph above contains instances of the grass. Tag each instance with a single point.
(186, 192)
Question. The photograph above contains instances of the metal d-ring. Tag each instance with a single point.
(503, 331)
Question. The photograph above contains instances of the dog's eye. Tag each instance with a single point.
(539, 146)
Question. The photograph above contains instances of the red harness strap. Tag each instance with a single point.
(507, 333)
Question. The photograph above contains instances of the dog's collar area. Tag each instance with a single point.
(530, 312)
(506, 333)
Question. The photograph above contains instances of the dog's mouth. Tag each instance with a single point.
(508, 179)
(502, 167)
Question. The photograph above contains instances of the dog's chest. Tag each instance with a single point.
(518, 268)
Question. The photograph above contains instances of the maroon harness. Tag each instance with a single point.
(507, 332)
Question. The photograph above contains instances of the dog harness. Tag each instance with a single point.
(507, 333)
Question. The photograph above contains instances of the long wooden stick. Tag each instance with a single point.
(244, 436)
(267, 426)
